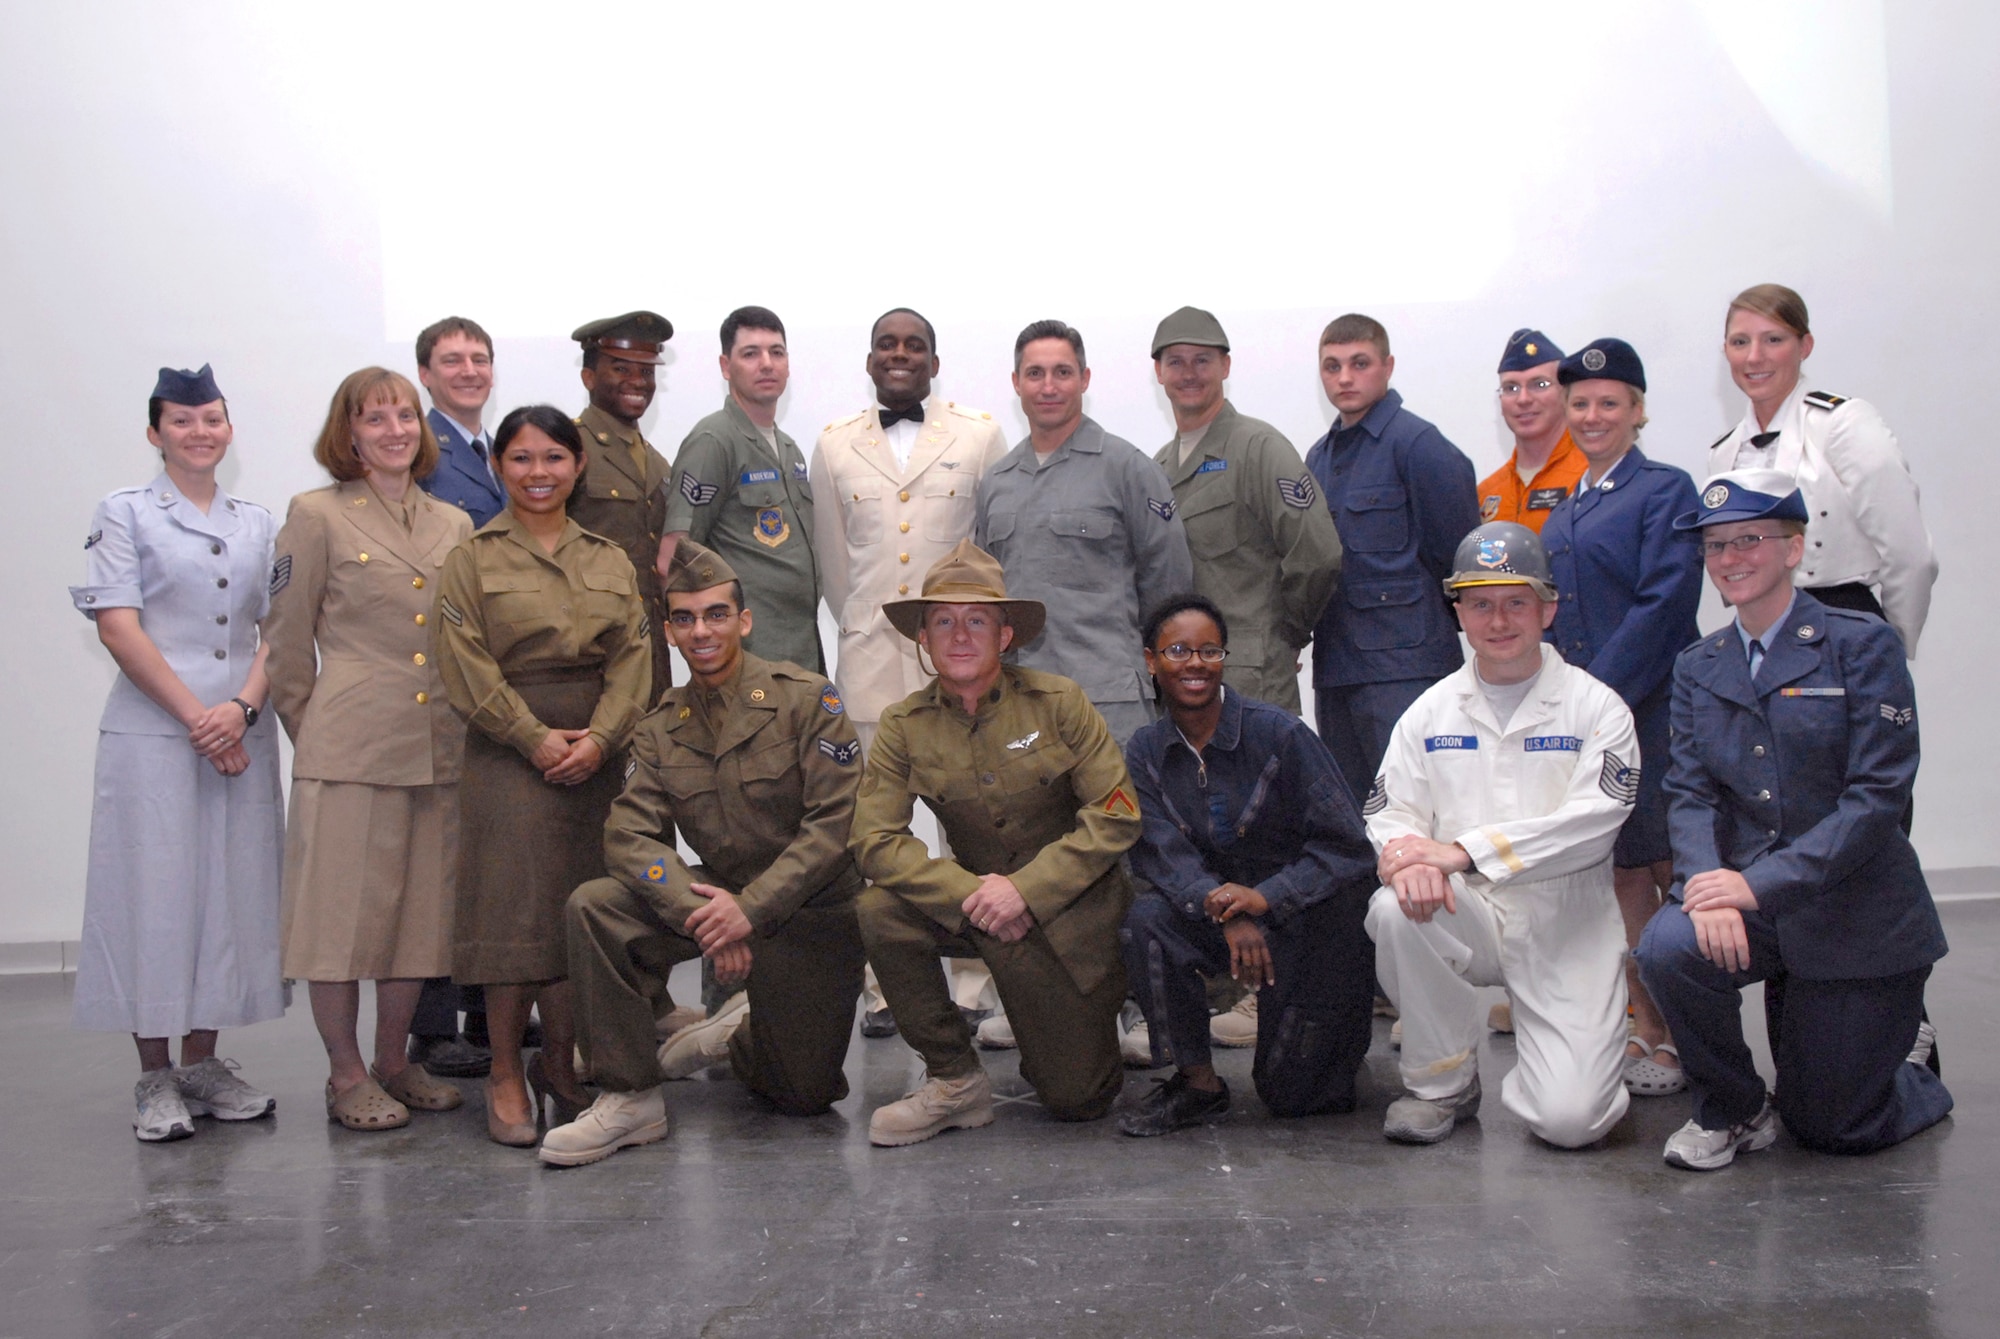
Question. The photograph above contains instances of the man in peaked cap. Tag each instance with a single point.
(1545, 463)
(1264, 549)
(1032, 792)
(622, 493)
(1794, 747)
(757, 765)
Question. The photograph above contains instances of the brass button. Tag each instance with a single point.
(903, 589)
(614, 492)
(423, 698)
(756, 695)
(902, 557)
(364, 557)
(420, 620)
(904, 527)
(904, 495)
(418, 657)
(418, 582)
(951, 492)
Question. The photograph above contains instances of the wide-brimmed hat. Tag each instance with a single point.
(967, 575)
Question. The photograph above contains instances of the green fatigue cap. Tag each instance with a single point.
(696, 568)
(967, 575)
(1190, 325)
(636, 336)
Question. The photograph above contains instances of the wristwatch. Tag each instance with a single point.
(250, 713)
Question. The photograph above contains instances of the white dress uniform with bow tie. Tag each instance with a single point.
(180, 918)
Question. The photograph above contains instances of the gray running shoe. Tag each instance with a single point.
(211, 1088)
(1422, 1120)
(162, 1115)
(1701, 1150)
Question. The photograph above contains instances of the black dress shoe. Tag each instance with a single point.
(974, 1017)
(450, 1057)
(878, 1023)
(1174, 1104)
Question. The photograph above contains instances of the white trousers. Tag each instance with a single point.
(1559, 949)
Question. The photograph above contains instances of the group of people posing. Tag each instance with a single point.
(1083, 661)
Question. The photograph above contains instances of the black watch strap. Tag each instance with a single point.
(250, 713)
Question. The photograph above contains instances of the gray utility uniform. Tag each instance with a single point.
(1265, 550)
(1092, 533)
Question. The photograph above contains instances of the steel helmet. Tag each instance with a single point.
(1501, 553)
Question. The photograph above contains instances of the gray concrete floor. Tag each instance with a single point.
(750, 1224)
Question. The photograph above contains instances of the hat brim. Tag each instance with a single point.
(1025, 617)
(649, 353)
(1696, 520)
(1536, 584)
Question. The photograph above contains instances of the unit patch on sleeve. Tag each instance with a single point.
(1163, 510)
(1298, 492)
(830, 699)
(1898, 715)
(1617, 780)
(697, 492)
(1120, 802)
(281, 573)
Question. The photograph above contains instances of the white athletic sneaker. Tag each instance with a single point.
(162, 1113)
(1237, 1027)
(1426, 1120)
(212, 1088)
(704, 1045)
(995, 1034)
(1701, 1150)
(612, 1122)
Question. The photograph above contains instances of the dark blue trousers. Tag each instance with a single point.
(1845, 1084)
(1355, 722)
(1312, 1026)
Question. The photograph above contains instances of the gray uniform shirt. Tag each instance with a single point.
(1092, 534)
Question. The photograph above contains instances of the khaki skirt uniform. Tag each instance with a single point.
(372, 839)
(530, 642)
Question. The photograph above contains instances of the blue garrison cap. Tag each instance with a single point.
(180, 386)
(1528, 348)
(1604, 360)
(1746, 495)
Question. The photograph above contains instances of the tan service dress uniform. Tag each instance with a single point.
(1033, 787)
(759, 776)
(371, 847)
(530, 642)
(1264, 547)
(622, 495)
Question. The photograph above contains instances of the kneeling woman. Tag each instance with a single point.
(1794, 748)
(1258, 865)
(542, 644)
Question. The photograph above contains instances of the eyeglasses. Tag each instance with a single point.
(715, 616)
(1712, 548)
(1179, 653)
(1538, 385)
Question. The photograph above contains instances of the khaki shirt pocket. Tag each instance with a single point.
(607, 596)
(513, 599)
(948, 508)
(861, 509)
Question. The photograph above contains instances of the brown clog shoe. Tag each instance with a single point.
(364, 1106)
(416, 1089)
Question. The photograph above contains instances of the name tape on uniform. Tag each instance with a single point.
(1434, 743)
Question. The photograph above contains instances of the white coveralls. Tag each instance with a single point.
(1537, 806)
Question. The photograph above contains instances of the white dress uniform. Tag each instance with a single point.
(1867, 525)
(883, 520)
(1537, 805)
(180, 914)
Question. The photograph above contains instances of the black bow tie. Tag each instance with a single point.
(915, 414)
(1763, 439)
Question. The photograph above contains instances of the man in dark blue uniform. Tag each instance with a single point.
(1401, 497)
(455, 364)
(1258, 866)
(1794, 748)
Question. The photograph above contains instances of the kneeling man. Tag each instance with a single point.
(1031, 792)
(757, 765)
(1259, 867)
(1495, 813)
(1795, 745)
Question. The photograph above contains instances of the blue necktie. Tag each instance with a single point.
(1756, 657)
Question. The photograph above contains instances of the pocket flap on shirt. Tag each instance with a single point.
(495, 582)
(1385, 592)
(618, 583)
(1379, 498)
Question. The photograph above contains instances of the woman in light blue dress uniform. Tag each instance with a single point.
(180, 917)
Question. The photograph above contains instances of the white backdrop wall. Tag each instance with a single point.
(292, 192)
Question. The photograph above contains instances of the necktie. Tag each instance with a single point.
(1763, 439)
(914, 414)
(1756, 657)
